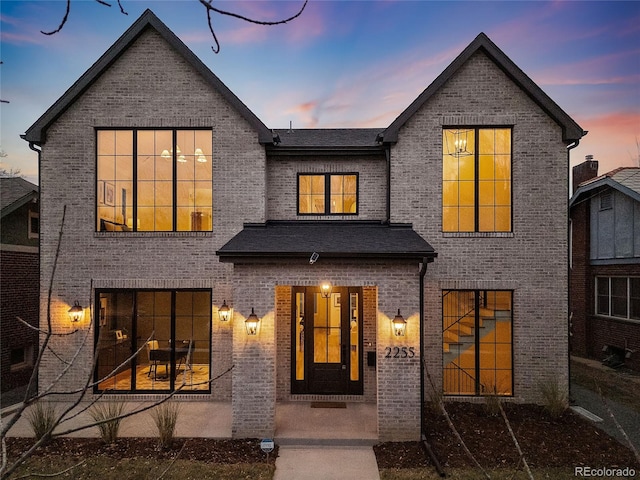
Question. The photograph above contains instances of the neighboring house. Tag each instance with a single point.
(205, 240)
(19, 281)
(605, 268)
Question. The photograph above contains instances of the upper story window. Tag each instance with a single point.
(618, 297)
(328, 194)
(154, 180)
(476, 180)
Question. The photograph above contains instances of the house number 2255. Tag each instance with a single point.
(400, 352)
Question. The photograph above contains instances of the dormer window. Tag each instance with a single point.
(328, 194)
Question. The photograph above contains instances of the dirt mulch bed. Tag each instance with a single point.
(568, 441)
(201, 449)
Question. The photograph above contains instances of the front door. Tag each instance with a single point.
(327, 341)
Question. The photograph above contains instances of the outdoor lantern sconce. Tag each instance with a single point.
(251, 323)
(76, 313)
(325, 290)
(399, 325)
(224, 312)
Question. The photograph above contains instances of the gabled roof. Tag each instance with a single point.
(624, 179)
(37, 132)
(329, 239)
(16, 192)
(571, 131)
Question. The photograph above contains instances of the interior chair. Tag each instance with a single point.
(153, 359)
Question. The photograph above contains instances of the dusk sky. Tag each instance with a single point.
(343, 63)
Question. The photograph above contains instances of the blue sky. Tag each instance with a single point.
(343, 63)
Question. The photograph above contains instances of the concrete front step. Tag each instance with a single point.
(326, 442)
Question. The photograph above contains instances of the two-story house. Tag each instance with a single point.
(605, 267)
(328, 264)
(19, 283)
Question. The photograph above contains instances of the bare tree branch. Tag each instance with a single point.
(210, 8)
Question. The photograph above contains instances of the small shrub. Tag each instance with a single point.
(555, 400)
(42, 417)
(493, 399)
(165, 416)
(108, 411)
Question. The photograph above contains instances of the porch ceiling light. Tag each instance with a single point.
(251, 323)
(76, 313)
(224, 312)
(399, 325)
(325, 290)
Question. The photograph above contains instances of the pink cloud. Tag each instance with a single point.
(611, 140)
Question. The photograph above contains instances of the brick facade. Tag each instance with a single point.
(249, 186)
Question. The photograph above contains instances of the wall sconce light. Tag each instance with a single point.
(251, 323)
(399, 325)
(325, 290)
(200, 155)
(224, 312)
(76, 313)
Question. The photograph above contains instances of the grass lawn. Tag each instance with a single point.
(104, 468)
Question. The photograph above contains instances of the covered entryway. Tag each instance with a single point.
(326, 347)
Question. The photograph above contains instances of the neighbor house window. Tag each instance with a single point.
(618, 297)
(154, 180)
(153, 340)
(21, 357)
(328, 194)
(476, 180)
(477, 342)
(34, 224)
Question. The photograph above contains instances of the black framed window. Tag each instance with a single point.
(154, 180)
(153, 340)
(618, 297)
(477, 342)
(327, 194)
(476, 179)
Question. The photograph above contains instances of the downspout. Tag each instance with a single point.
(387, 153)
(569, 148)
(423, 437)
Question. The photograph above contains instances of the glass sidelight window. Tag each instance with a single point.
(326, 341)
(153, 340)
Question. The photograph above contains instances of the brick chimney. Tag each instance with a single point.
(585, 171)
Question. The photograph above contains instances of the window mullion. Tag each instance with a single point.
(476, 306)
(174, 183)
(134, 202)
(327, 194)
(476, 182)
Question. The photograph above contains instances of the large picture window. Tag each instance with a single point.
(618, 297)
(477, 342)
(170, 330)
(154, 180)
(476, 180)
(328, 194)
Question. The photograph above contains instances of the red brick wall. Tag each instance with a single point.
(19, 283)
(581, 297)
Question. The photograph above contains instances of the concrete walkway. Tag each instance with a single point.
(326, 463)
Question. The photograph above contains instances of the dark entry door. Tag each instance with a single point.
(327, 341)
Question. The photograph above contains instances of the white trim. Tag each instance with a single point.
(33, 215)
(7, 247)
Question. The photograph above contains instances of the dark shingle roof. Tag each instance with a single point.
(571, 131)
(37, 132)
(15, 192)
(329, 137)
(330, 239)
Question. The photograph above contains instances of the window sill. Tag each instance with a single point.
(631, 321)
(151, 234)
(478, 235)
